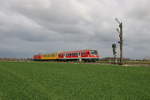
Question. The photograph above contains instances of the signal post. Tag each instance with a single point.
(120, 31)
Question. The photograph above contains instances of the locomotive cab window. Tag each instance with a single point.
(94, 52)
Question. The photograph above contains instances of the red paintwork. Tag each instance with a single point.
(39, 56)
(83, 54)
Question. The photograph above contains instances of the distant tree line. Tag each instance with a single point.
(15, 59)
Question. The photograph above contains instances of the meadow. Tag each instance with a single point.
(66, 81)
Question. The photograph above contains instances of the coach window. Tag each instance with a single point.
(76, 54)
(82, 53)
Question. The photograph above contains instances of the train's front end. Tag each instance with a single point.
(94, 55)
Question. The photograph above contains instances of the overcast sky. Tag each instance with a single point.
(29, 27)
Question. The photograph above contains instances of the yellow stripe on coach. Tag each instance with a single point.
(51, 56)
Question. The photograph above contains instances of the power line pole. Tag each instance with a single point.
(121, 44)
(120, 31)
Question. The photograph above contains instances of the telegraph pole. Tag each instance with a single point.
(121, 44)
(120, 31)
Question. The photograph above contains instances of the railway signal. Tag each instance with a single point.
(114, 52)
(120, 31)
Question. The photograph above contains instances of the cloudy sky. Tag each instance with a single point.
(28, 27)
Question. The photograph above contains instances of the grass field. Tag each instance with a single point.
(60, 81)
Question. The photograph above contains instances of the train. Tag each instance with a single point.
(78, 55)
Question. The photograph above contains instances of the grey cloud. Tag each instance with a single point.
(28, 27)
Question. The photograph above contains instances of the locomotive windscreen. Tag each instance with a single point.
(94, 52)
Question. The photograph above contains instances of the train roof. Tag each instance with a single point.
(74, 51)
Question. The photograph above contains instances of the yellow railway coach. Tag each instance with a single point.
(51, 56)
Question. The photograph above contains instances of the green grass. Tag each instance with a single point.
(59, 81)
